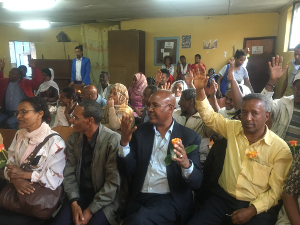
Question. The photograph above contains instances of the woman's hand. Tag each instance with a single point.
(189, 78)
(166, 86)
(32, 62)
(158, 77)
(110, 102)
(232, 67)
(70, 107)
(15, 172)
(137, 110)
(213, 88)
(23, 186)
(200, 78)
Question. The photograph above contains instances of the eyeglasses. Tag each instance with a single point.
(75, 118)
(155, 106)
(22, 112)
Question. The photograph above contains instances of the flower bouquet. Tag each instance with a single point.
(3, 158)
(294, 147)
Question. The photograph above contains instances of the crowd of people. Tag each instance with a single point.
(144, 154)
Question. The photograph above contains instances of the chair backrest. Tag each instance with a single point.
(8, 136)
(64, 132)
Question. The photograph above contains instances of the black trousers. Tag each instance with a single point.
(214, 211)
(150, 209)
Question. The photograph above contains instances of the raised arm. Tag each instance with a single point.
(237, 99)
(2, 65)
(212, 95)
(158, 77)
(37, 77)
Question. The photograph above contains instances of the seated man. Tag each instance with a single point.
(148, 91)
(13, 90)
(92, 179)
(90, 93)
(188, 116)
(160, 192)
(162, 77)
(255, 167)
(104, 87)
(197, 62)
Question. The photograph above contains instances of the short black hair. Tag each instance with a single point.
(212, 70)
(260, 97)
(19, 71)
(150, 80)
(166, 71)
(93, 109)
(182, 56)
(189, 93)
(106, 72)
(71, 92)
(39, 104)
(168, 57)
(198, 55)
(152, 88)
(22, 67)
(297, 46)
(239, 53)
(47, 72)
(79, 47)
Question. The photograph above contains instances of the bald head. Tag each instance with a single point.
(166, 96)
(89, 93)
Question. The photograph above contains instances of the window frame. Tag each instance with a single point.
(290, 36)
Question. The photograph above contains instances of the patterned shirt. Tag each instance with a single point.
(293, 131)
(292, 185)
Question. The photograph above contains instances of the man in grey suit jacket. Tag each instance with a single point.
(91, 178)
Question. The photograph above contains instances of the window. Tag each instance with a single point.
(21, 53)
(295, 31)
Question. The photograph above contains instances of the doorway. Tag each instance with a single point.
(262, 49)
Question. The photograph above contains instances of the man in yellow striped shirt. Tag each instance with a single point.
(256, 164)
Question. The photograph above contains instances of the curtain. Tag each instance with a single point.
(95, 47)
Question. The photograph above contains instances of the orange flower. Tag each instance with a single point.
(175, 140)
(1, 147)
(293, 143)
(79, 92)
(252, 155)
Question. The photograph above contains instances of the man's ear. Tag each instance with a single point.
(191, 101)
(268, 114)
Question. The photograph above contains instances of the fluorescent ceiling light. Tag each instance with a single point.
(28, 5)
(35, 24)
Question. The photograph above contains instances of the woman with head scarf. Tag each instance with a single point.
(135, 91)
(117, 105)
(49, 90)
(177, 88)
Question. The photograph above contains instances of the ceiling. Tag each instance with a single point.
(73, 12)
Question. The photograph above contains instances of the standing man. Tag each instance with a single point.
(197, 62)
(13, 90)
(294, 68)
(104, 87)
(160, 192)
(81, 68)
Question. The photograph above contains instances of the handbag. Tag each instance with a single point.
(41, 204)
(224, 82)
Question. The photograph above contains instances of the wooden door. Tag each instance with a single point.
(262, 49)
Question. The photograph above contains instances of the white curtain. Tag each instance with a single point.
(95, 47)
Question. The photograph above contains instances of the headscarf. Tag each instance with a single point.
(122, 93)
(184, 85)
(140, 85)
(45, 86)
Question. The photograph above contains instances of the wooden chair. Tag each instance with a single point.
(64, 132)
(8, 136)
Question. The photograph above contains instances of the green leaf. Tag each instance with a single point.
(168, 159)
(190, 148)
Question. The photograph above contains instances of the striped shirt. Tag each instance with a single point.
(293, 131)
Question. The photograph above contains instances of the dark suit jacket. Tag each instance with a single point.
(135, 164)
(85, 70)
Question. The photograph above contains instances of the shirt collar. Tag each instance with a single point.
(79, 59)
(93, 141)
(170, 129)
(267, 137)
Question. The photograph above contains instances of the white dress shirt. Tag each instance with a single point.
(78, 69)
(156, 180)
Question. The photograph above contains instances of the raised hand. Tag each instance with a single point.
(2, 63)
(189, 78)
(213, 88)
(126, 131)
(158, 76)
(181, 159)
(110, 103)
(166, 86)
(70, 107)
(32, 62)
(200, 78)
(276, 70)
(247, 51)
(232, 67)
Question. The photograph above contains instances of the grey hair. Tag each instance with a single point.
(262, 98)
(189, 93)
(92, 109)
(106, 72)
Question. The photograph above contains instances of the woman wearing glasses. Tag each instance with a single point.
(46, 166)
(117, 105)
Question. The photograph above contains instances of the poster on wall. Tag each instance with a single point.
(209, 45)
(257, 50)
(186, 41)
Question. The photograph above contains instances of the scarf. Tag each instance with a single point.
(184, 85)
(183, 69)
(45, 86)
(122, 93)
(140, 85)
(35, 137)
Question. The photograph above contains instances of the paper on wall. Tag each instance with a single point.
(169, 45)
(166, 54)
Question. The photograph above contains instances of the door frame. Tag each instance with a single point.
(261, 38)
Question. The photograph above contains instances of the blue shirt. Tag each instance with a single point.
(13, 96)
(101, 100)
(156, 180)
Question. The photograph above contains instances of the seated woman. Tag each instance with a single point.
(169, 66)
(68, 98)
(177, 89)
(135, 92)
(46, 167)
(49, 89)
(117, 105)
(182, 68)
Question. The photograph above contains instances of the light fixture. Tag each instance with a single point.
(35, 24)
(28, 5)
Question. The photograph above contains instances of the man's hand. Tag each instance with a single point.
(158, 77)
(2, 65)
(23, 186)
(189, 78)
(87, 215)
(71, 84)
(126, 131)
(77, 213)
(242, 216)
(213, 88)
(276, 70)
(247, 51)
(110, 103)
(200, 78)
(70, 107)
(232, 67)
(32, 62)
(181, 159)
(166, 86)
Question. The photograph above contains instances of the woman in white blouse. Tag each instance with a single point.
(48, 164)
(169, 66)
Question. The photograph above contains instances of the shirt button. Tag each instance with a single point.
(150, 188)
(152, 174)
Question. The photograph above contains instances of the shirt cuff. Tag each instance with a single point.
(35, 176)
(186, 173)
(265, 92)
(124, 151)
(259, 206)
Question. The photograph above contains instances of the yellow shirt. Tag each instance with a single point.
(259, 181)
